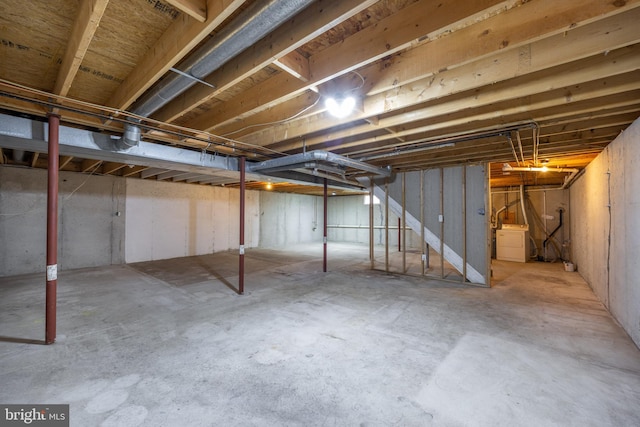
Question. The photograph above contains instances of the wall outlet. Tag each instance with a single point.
(440, 218)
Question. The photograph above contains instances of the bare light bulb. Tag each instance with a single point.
(340, 108)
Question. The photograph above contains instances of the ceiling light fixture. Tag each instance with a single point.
(508, 168)
(340, 108)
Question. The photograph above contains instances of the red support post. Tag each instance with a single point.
(52, 230)
(241, 251)
(324, 240)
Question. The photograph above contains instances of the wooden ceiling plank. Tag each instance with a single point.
(546, 53)
(180, 38)
(307, 25)
(299, 106)
(627, 84)
(495, 151)
(111, 167)
(584, 125)
(133, 170)
(366, 46)
(572, 83)
(197, 9)
(296, 65)
(89, 15)
(64, 161)
(514, 29)
(34, 159)
(151, 172)
(90, 165)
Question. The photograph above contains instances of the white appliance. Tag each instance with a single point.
(512, 243)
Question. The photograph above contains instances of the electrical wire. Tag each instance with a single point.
(114, 113)
(95, 168)
(298, 113)
(36, 206)
(361, 84)
(304, 110)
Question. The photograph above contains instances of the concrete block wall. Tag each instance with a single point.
(605, 228)
(287, 219)
(170, 220)
(89, 231)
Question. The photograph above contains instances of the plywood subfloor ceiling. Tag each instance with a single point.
(437, 83)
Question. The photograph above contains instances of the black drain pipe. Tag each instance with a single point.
(544, 244)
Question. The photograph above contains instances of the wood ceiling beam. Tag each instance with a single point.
(364, 47)
(512, 29)
(568, 76)
(591, 115)
(542, 54)
(296, 65)
(305, 104)
(307, 25)
(197, 9)
(34, 159)
(180, 38)
(171, 174)
(587, 97)
(130, 171)
(111, 167)
(89, 15)
(90, 165)
(150, 172)
(64, 161)
(495, 151)
(584, 125)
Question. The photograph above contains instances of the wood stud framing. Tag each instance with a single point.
(422, 71)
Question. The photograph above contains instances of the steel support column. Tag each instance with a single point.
(386, 225)
(441, 223)
(241, 166)
(324, 240)
(404, 223)
(423, 244)
(464, 224)
(52, 229)
(371, 236)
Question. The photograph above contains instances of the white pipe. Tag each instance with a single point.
(569, 179)
(524, 212)
(509, 168)
(529, 190)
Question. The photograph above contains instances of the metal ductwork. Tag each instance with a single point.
(246, 29)
(317, 160)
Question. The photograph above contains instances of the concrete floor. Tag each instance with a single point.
(168, 343)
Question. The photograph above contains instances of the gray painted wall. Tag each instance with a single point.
(90, 234)
(287, 219)
(606, 241)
